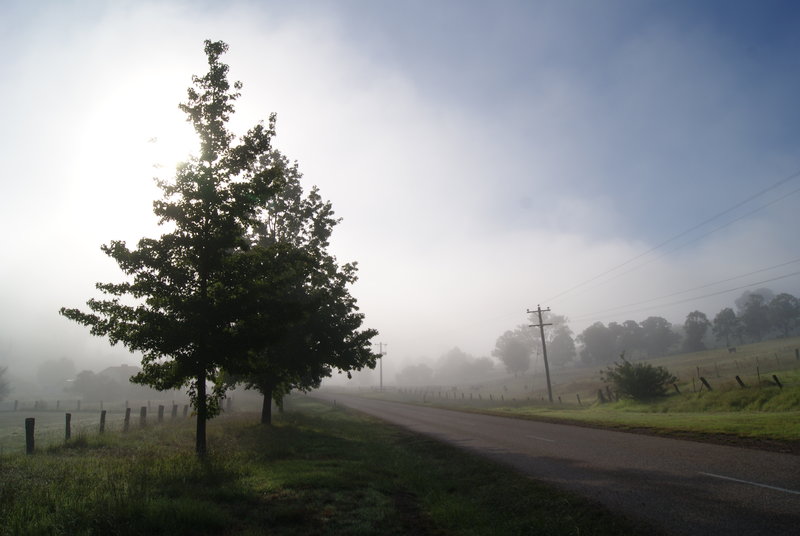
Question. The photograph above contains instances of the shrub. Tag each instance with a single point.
(640, 381)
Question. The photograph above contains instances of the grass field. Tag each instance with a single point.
(50, 427)
(319, 470)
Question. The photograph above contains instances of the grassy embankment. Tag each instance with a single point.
(319, 470)
(760, 412)
(757, 413)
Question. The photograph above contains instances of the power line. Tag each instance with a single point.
(678, 302)
(670, 295)
(679, 235)
(696, 239)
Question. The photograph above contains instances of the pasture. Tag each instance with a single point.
(50, 427)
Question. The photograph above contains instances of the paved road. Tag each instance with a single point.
(682, 487)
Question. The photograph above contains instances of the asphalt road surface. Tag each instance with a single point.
(677, 486)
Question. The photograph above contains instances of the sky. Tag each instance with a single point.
(610, 160)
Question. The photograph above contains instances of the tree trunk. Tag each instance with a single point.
(266, 407)
(202, 415)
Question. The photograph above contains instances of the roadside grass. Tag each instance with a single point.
(748, 425)
(761, 414)
(764, 413)
(319, 470)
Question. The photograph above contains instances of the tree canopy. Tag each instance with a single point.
(513, 349)
(695, 328)
(727, 326)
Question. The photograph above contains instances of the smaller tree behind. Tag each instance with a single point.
(597, 345)
(695, 326)
(784, 313)
(640, 381)
(755, 317)
(727, 326)
(513, 349)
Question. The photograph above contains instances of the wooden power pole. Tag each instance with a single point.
(381, 353)
(541, 326)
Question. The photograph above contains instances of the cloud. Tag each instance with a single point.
(472, 186)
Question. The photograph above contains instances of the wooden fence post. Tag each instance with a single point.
(740, 382)
(160, 413)
(102, 421)
(68, 428)
(30, 422)
(58, 404)
(174, 410)
(127, 423)
(708, 385)
(579, 399)
(777, 381)
(143, 416)
(185, 410)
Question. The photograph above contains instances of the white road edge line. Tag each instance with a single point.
(751, 483)
(541, 438)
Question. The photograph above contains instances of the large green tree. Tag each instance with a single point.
(187, 294)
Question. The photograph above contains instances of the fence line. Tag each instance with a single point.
(69, 430)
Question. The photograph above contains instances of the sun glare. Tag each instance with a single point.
(125, 141)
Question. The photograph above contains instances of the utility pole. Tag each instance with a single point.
(541, 326)
(381, 353)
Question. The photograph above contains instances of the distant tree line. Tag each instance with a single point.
(758, 315)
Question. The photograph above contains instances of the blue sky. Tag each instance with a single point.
(485, 156)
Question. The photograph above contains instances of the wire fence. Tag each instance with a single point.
(27, 426)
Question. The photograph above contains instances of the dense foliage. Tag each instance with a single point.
(639, 381)
(327, 335)
(513, 349)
